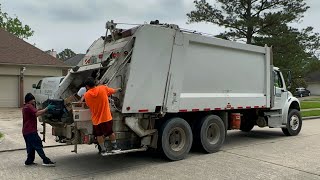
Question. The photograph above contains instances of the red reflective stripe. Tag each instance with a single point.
(248, 107)
(240, 107)
(195, 109)
(217, 108)
(143, 110)
(183, 110)
(256, 106)
(206, 109)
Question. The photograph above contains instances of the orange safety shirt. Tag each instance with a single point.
(97, 100)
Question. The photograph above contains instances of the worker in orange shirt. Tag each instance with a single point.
(96, 99)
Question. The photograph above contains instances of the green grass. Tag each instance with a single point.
(1, 135)
(310, 113)
(309, 105)
(313, 99)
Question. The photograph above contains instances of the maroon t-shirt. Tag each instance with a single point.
(29, 119)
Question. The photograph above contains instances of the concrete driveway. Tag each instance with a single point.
(11, 127)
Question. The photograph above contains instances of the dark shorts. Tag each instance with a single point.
(104, 128)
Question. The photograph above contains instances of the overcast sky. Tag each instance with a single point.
(75, 24)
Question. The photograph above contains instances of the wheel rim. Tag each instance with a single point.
(177, 139)
(213, 133)
(294, 122)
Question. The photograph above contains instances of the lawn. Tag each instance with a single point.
(1, 135)
(310, 113)
(309, 104)
(312, 99)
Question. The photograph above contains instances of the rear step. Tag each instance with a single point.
(125, 151)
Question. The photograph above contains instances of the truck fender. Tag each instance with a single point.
(291, 103)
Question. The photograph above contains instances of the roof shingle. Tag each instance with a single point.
(14, 50)
(74, 60)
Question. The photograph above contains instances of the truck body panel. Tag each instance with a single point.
(148, 70)
(204, 79)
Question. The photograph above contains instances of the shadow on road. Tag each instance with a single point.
(81, 164)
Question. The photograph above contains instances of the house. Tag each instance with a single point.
(313, 81)
(21, 65)
(75, 60)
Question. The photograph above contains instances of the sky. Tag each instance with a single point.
(75, 24)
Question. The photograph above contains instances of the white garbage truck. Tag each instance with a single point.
(180, 89)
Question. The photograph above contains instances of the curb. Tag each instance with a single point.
(310, 117)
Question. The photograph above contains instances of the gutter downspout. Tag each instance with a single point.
(21, 83)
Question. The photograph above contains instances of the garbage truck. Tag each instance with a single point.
(179, 89)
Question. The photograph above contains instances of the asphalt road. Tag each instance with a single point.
(261, 154)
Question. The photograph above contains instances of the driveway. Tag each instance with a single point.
(11, 126)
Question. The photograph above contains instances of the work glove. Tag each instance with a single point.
(51, 107)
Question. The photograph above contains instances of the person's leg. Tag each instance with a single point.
(109, 132)
(30, 151)
(112, 137)
(100, 138)
(37, 145)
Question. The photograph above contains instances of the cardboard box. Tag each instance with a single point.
(69, 100)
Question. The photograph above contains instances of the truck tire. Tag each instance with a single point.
(175, 138)
(210, 133)
(294, 123)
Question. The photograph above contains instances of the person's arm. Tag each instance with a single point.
(82, 99)
(111, 91)
(41, 112)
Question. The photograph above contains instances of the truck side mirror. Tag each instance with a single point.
(34, 86)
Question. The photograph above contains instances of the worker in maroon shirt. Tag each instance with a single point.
(30, 132)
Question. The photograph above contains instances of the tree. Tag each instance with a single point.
(66, 54)
(263, 22)
(14, 26)
(246, 18)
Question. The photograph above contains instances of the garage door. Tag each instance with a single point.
(28, 81)
(9, 96)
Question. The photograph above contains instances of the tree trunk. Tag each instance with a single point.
(249, 24)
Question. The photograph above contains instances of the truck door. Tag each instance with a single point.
(280, 90)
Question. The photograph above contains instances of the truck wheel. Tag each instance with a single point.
(210, 133)
(294, 123)
(176, 138)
